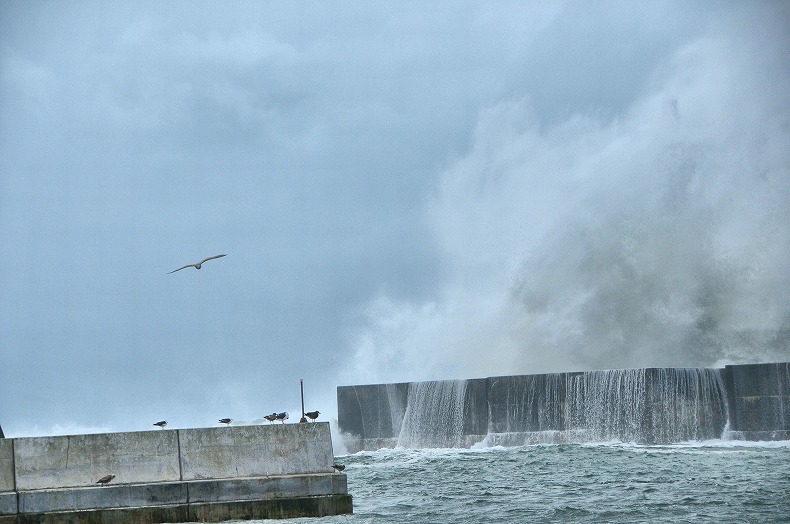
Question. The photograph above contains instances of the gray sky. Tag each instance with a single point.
(405, 191)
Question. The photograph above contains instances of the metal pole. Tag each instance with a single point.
(301, 387)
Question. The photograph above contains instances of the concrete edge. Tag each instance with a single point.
(177, 493)
(294, 507)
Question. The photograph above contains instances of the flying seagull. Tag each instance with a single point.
(312, 415)
(161, 424)
(225, 420)
(196, 265)
(105, 479)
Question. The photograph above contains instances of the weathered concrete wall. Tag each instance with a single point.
(79, 460)
(163, 475)
(373, 410)
(8, 497)
(7, 465)
(759, 401)
(645, 405)
(249, 451)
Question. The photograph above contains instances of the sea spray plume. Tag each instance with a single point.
(657, 238)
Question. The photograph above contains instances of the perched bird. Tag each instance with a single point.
(196, 265)
(105, 479)
(161, 424)
(225, 420)
(339, 467)
(282, 417)
(312, 415)
(271, 418)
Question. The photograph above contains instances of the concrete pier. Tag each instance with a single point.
(184, 475)
(650, 405)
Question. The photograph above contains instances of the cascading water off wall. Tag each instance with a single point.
(629, 405)
(651, 405)
(434, 415)
(647, 405)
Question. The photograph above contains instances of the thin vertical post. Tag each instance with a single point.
(301, 387)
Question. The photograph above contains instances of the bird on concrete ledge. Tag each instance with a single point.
(339, 467)
(105, 479)
(161, 424)
(271, 418)
(312, 415)
(282, 417)
(225, 420)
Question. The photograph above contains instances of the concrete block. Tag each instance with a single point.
(372, 411)
(762, 413)
(283, 508)
(80, 460)
(507, 397)
(141, 515)
(752, 380)
(258, 488)
(350, 419)
(392, 401)
(527, 403)
(249, 451)
(8, 503)
(6, 465)
(476, 407)
(103, 497)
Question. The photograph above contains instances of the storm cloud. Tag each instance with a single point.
(405, 191)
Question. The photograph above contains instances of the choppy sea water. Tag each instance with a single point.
(718, 481)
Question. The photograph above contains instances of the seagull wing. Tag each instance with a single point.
(210, 258)
(179, 269)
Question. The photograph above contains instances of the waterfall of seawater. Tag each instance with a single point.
(397, 407)
(434, 415)
(607, 405)
(632, 405)
(647, 405)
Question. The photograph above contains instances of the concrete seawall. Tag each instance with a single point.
(184, 475)
(652, 405)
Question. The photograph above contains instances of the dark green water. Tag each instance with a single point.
(718, 481)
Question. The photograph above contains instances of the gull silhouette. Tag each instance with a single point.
(196, 265)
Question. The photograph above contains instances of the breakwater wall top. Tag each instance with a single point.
(198, 474)
(650, 405)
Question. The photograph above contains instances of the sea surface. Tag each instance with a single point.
(712, 481)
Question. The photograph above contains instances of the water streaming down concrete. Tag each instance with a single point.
(434, 414)
(652, 405)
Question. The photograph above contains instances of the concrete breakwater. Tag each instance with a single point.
(651, 405)
(184, 475)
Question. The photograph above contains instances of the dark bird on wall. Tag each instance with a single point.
(161, 424)
(271, 418)
(339, 467)
(105, 479)
(225, 420)
(312, 415)
(197, 265)
(282, 417)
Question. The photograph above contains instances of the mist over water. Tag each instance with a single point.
(655, 237)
